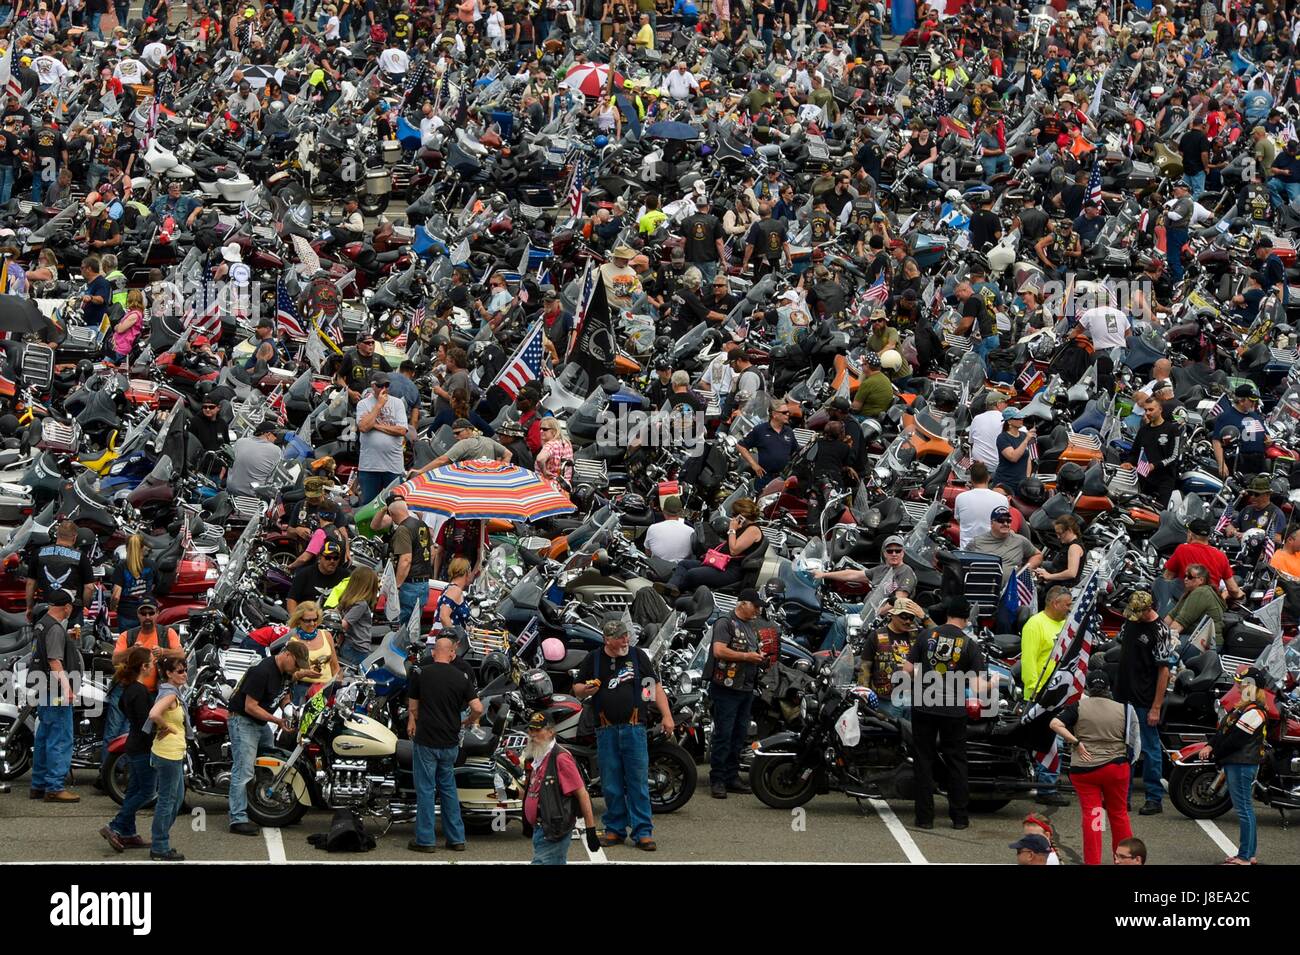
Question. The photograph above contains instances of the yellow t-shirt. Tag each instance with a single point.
(172, 746)
(321, 657)
(645, 37)
(1036, 642)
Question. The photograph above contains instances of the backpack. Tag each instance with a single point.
(556, 812)
(165, 643)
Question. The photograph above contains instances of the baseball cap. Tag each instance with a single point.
(264, 427)
(1011, 414)
(1000, 514)
(540, 721)
(461, 424)
(379, 378)
(905, 606)
(672, 504)
(147, 602)
(614, 627)
(1034, 843)
(366, 337)
(1201, 527)
(314, 487)
(750, 595)
(1246, 391)
(59, 598)
(1098, 680)
(1138, 604)
(892, 540)
(331, 549)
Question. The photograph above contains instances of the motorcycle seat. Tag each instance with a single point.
(13, 642)
(383, 258)
(698, 608)
(1202, 672)
(12, 621)
(405, 754)
(572, 660)
(1008, 644)
(661, 570)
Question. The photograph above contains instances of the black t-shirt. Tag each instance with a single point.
(767, 236)
(940, 651)
(134, 589)
(1145, 649)
(135, 705)
(702, 232)
(356, 371)
(413, 537)
(48, 142)
(264, 683)
(623, 684)
(55, 567)
(832, 458)
(444, 692)
(310, 583)
(974, 306)
(821, 225)
(8, 149)
(1192, 145)
(693, 310)
(984, 227)
(1033, 224)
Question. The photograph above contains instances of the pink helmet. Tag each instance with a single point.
(553, 650)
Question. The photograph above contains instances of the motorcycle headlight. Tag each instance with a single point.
(211, 574)
(686, 685)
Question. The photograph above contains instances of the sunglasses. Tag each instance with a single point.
(999, 520)
(905, 616)
(894, 550)
(310, 619)
(146, 613)
(1190, 577)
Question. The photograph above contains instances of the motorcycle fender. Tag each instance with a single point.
(300, 789)
(781, 744)
(117, 744)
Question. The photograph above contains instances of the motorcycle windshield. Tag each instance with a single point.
(917, 544)
(594, 405)
(692, 342)
(809, 389)
(969, 373)
(936, 426)
(755, 413)
(1192, 508)
(844, 669)
(580, 539)
(492, 582)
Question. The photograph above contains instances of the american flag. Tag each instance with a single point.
(1066, 686)
(1144, 467)
(8, 80)
(589, 279)
(575, 188)
(726, 255)
(878, 293)
(1094, 184)
(204, 314)
(1030, 380)
(1025, 588)
(1270, 548)
(153, 119)
(286, 312)
(1033, 449)
(525, 365)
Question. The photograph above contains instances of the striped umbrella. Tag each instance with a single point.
(485, 490)
(590, 79)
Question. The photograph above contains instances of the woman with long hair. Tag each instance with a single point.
(169, 718)
(555, 459)
(141, 784)
(1064, 562)
(305, 622)
(743, 535)
(1238, 747)
(134, 579)
(357, 605)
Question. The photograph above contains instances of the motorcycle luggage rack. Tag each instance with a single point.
(589, 471)
(1084, 441)
(235, 662)
(724, 603)
(247, 508)
(803, 436)
(1281, 356)
(957, 345)
(57, 436)
(37, 366)
(483, 642)
(915, 510)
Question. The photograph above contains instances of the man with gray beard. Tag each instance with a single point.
(554, 795)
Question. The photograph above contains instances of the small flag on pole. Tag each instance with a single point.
(1094, 184)
(286, 312)
(1144, 467)
(878, 293)
(576, 189)
(524, 366)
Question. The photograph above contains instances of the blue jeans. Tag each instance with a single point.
(94, 25)
(1153, 758)
(1283, 192)
(52, 748)
(1241, 787)
(1196, 183)
(708, 271)
(1175, 239)
(994, 165)
(140, 788)
(986, 347)
(411, 595)
(6, 184)
(122, 10)
(38, 187)
(1046, 780)
(95, 173)
(115, 723)
(550, 853)
(245, 737)
(372, 482)
(839, 631)
(435, 774)
(171, 793)
(348, 655)
(730, 733)
(624, 757)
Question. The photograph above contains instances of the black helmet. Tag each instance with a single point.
(631, 503)
(1069, 478)
(536, 687)
(1230, 435)
(663, 364)
(1032, 491)
(85, 368)
(583, 495)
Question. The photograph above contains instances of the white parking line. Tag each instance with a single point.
(1211, 829)
(899, 832)
(598, 855)
(274, 845)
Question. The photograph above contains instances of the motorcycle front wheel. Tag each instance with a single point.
(1199, 792)
(672, 777)
(372, 205)
(18, 754)
(777, 782)
(275, 811)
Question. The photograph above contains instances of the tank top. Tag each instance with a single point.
(320, 657)
(421, 549)
(1101, 726)
(172, 746)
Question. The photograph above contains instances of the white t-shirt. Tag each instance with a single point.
(678, 85)
(720, 376)
(1106, 326)
(130, 72)
(380, 451)
(154, 53)
(496, 25)
(669, 540)
(972, 510)
(394, 61)
(984, 431)
(48, 69)
(332, 28)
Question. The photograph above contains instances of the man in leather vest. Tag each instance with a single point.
(412, 546)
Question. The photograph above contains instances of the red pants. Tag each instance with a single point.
(1105, 786)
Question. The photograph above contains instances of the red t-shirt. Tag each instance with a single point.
(1196, 553)
(570, 781)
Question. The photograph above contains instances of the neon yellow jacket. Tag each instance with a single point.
(1036, 642)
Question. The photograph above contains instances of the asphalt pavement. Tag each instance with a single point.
(831, 829)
